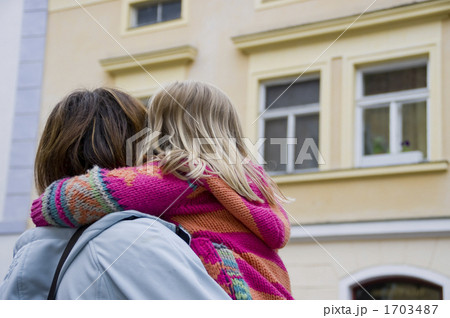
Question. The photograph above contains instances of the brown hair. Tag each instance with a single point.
(87, 128)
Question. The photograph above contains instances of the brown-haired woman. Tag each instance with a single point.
(85, 129)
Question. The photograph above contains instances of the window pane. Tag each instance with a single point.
(171, 10)
(414, 127)
(394, 81)
(306, 127)
(376, 131)
(401, 288)
(275, 128)
(300, 93)
(146, 14)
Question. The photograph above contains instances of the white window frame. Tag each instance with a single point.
(290, 112)
(394, 102)
(159, 3)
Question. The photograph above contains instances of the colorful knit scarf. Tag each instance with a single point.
(236, 239)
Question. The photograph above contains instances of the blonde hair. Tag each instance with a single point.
(202, 123)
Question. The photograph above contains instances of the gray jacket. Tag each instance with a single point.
(113, 259)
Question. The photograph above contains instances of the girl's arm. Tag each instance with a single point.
(80, 200)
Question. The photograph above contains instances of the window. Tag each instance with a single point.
(392, 124)
(290, 124)
(398, 288)
(151, 12)
(395, 282)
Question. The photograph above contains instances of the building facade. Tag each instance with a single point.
(23, 33)
(365, 82)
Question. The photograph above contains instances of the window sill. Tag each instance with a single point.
(385, 160)
(386, 229)
(435, 166)
(264, 4)
(155, 27)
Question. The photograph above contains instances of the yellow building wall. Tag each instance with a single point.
(317, 275)
(79, 39)
(141, 84)
(374, 198)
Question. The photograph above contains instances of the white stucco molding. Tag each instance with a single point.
(182, 54)
(386, 229)
(359, 173)
(250, 43)
(385, 271)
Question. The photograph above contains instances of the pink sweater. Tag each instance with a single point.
(236, 239)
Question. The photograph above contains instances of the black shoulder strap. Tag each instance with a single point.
(180, 231)
(65, 254)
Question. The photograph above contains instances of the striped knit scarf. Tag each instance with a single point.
(237, 240)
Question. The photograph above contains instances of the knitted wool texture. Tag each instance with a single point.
(236, 239)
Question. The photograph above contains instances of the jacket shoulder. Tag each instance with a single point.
(138, 259)
(36, 254)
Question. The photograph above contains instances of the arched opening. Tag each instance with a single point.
(397, 288)
(395, 282)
